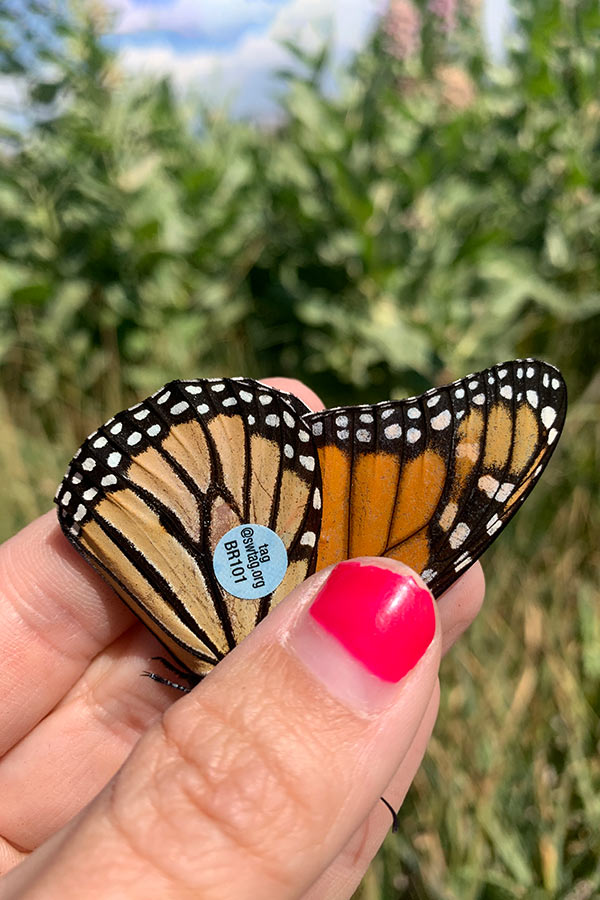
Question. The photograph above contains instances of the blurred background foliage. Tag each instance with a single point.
(435, 214)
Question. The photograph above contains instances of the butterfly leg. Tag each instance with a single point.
(192, 680)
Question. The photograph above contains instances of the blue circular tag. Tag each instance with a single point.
(250, 561)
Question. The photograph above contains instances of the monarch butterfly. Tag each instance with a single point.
(151, 497)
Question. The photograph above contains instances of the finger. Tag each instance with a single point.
(56, 769)
(458, 607)
(299, 389)
(56, 614)
(460, 604)
(261, 775)
(343, 876)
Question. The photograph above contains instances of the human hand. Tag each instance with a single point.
(261, 783)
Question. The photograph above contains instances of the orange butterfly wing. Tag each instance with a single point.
(432, 480)
(149, 495)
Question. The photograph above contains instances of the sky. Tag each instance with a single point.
(230, 49)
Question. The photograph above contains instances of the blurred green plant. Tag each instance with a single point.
(436, 214)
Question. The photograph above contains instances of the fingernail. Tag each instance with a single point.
(368, 626)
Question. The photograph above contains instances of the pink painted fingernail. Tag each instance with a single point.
(384, 619)
(368, 626)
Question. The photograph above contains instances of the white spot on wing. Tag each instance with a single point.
(459, 535)
(79, 513)
(548, 416)
(505, 491)
(488, 485)
(493, 524)
(441, 421)
(532, 398)
(393, 431)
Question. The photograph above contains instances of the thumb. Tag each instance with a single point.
(252, 784)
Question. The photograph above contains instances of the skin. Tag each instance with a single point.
(109, 783)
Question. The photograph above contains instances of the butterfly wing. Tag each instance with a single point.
(149, 495)
(432, 480)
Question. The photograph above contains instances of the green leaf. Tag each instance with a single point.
(46, 92)
(34, 294)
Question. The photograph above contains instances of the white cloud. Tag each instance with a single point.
(243, 74)
(213, 20)
(13, 91)
(497, 21)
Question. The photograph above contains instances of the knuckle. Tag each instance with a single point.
(235, 778)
